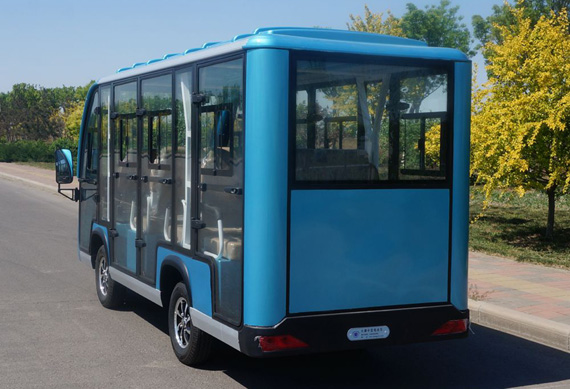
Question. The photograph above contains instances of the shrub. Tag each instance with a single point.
(34, 151)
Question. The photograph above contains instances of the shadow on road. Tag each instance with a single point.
(487, 359)
(146, 310)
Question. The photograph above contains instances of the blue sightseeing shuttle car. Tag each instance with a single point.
(291, 190)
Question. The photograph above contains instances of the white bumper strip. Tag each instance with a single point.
(136, 286)
(215, 328)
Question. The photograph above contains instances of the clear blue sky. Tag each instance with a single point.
(70, 42)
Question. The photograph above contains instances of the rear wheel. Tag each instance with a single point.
(191, 345)
(110, 294)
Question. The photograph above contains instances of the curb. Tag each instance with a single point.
(523, 325)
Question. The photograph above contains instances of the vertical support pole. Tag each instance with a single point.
(394, 130)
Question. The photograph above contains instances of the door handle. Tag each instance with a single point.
(197, 224)
(234, 191)
(132, 177)
(144, 178)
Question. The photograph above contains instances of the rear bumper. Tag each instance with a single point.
(328, 332)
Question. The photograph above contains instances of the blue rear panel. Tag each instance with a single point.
(460, 221)
(265, 202)
(354, 249)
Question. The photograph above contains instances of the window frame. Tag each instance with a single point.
(87, 173)
(119, 136)
(448, 66)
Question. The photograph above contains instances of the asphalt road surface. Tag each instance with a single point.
(55, 334)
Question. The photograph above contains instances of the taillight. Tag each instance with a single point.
(452, 327)
(280, 342)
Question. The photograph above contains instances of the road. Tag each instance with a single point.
(55, 334)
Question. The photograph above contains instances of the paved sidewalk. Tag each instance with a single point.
(526, 300)
(530, 301)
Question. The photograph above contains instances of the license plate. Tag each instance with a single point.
(368, 333)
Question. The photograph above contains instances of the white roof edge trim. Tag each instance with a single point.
(177, 61)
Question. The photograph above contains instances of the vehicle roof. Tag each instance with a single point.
(297, 38)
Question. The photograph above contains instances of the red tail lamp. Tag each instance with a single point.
(280, 342)
(453, 327)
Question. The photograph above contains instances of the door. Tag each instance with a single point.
(125, 163)
(88, 174)
(155, 159)
(219, 186)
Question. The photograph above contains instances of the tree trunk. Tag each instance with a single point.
(551, 206)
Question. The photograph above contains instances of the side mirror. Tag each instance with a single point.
(63, 166)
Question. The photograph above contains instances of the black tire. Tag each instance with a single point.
(110, 293)
(191, 345)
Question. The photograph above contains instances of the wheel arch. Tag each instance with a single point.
(172, 271)
(97, 240)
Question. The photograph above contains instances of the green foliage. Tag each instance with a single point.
(488, 30)
(72, 120)
(438, 26)
(521, 120)
(30, 112)
(34, 150)
(35, 121)
(376, 23)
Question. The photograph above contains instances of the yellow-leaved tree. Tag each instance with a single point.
(72, 119)
(521, 116)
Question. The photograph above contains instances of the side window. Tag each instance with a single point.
(157, 122)
(423, 140)
(104, 161)
(221, 118)
(126, 124)
(183, 156)
(90, 157)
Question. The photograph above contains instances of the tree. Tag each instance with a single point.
(521, 119)
(438, 26)
(376, 23)
(72, 120)
(29, 112)
(489, 29)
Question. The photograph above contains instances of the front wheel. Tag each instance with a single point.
(110, 293)
(191, 345)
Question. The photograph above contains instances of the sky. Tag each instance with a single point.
(52, 43)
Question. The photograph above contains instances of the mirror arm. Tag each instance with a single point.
(74, 193)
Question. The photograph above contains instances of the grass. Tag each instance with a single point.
(514, 227)
(41, 165)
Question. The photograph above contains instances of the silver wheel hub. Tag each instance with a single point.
(182, 322)
(103, 276)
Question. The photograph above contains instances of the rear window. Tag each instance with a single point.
(370, 122)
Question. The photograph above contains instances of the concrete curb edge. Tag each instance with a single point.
(523, 325)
